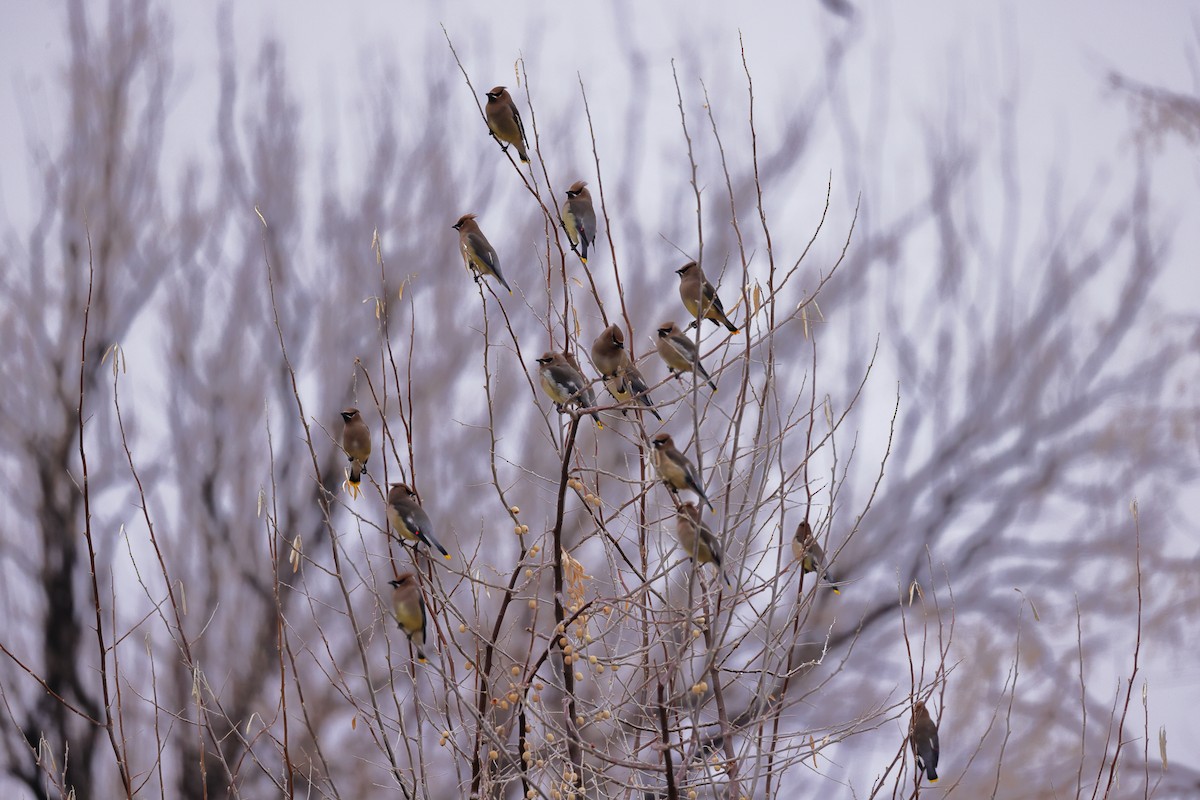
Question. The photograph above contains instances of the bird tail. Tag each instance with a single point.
(429, 539)
(599, 424)
(832, 583)
(583, 243)
(931, 774)
(521, 152)
(503, 282)
(356, 471)
(729, 326)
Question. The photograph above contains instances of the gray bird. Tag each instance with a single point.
(356, 442)
(697, 538)
(504, 120)
(923, 737)
(579, 218)
(809, 553)
(409, 519)
(674, 468)
(477, 252)
(679, 352)
(563, 381)
(700, 298)
(408, 607)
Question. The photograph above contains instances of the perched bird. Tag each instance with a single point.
(700, 298)
(622, 378)
(409, 609)
(409, 519)
(356, 441)
(697, 538)
(809, 553)
(674, 468)
(680, 353)
(563, 381)
(477, 252)
(504, 120)
(579, 218)
(608, 351)
(923, 737)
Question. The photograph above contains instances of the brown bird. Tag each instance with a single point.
(504, 120)
(356, 442)
(563, 381)
(923, 737)
(622, 378)
(579, 218)
(477, 252)
(700, 298)
(697, 538)
(408, 607)
(680, 353)
(409, 519)
(674, 468)
(810, 555)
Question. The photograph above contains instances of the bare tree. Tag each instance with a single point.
(205, 612)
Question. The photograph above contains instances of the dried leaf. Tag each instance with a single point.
(354, 722)
(1162, 746)
(758, 297)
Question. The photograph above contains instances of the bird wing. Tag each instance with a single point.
(517, 116)
(478, 248)
(711, 299)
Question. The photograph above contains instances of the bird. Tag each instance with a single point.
(923, 737)
(623, 380)
(356, 442)
(697, 539)
(700, 298)
(674, 468)
(679, 352)
(810, 555)
(409, 519)
(477, 252)
(409, 609)
(563, 381)
(579, 218)
(504, 120)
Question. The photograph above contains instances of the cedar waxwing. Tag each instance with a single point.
(810, 555)
(409, 519)
(680, 352)
(477, 252)
(579, 218)
(674, 468)
(563, 381)
(622, 378)
(409, 609)
(504, 120)
(694, 288)
(356, 441)
(697, 538)
(923, 736)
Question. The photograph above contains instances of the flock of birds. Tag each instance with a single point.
(564, 382)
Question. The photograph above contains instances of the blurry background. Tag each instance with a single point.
(1023, 256)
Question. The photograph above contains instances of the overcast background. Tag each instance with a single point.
(908, 66)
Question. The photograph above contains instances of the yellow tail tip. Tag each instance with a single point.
(837, 590)
(422, 660)
(584, 260)
(933, 780)
(447, 556)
